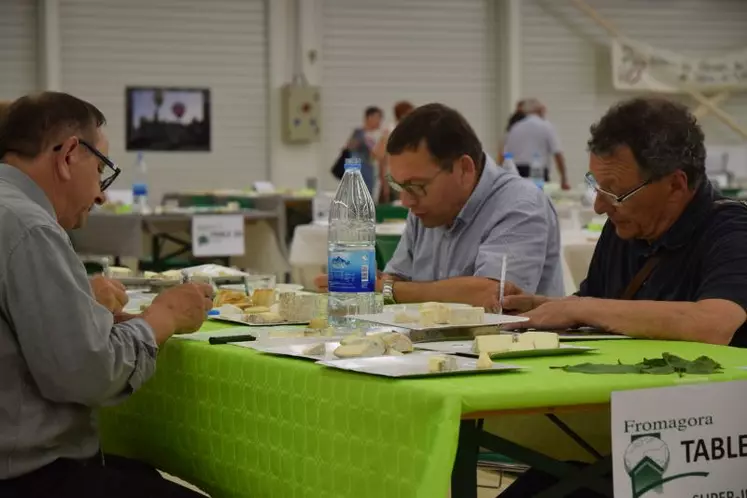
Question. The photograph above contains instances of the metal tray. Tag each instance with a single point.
(297, 349)
(464, 348)
(491, 320)
(412, 365)
(233, 319)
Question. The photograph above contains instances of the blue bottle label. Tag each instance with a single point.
(352, 271)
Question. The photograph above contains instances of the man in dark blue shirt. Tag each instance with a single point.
(671, 262)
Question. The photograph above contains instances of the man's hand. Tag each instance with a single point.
(521, 303)
(557, 314)
(490, 294)
(179, 310)
(564, 184)
(109, 293)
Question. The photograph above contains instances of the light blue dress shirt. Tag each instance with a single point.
(505, 214)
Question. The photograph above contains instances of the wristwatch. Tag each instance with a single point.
(387, 290)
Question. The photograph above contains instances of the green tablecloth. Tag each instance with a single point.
(239, 423)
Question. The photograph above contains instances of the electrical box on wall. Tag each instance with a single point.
(301, 112)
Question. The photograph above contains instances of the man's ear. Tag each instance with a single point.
(678, 182)
(468, 165)
(65, 158)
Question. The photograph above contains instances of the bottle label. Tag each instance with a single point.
(352, 271)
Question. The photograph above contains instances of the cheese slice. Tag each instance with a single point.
(263, 297)
(467, 316)
(427, 317)
(484, 361)
(497, 343)
(521, 346)
(262, 318)
(441, 364)
(396, 341)
(229, 309)
(404, 317)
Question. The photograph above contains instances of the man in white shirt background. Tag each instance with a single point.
(535, 139)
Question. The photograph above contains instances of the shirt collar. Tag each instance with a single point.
(692, 216)
(490, 172)
(27, 186)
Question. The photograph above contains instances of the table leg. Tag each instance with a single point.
(464, 474)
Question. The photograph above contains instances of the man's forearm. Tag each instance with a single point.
(683, 321)
(560, 164)
(467, 290)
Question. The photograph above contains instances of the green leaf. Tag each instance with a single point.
(599, 368)
(666, 365)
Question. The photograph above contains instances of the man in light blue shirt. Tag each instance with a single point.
(466, 213)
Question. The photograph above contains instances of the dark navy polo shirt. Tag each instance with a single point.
(703, 256)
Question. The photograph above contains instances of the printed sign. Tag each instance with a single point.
(640, 67)
(680, 442)
(218, 235)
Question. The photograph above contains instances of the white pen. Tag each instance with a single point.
(503, 282)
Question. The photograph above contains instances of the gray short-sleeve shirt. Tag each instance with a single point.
(505, 214)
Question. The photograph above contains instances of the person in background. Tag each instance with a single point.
(671, 261)
(65, 346)
(535, 136)
(465, 214)
(401, 109)
(362, 142)
(517, 116)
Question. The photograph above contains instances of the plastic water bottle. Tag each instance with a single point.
(140, 186)
(537, 171)
(352, 254)
(509, 165)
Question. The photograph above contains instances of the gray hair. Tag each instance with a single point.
(532, 106)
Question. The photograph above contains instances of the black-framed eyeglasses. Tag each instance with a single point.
(614, 199)
(108, 171)
(417, 189)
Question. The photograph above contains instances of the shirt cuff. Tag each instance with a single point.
(146, 351)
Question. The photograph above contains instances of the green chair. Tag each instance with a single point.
(389, 212)
(385, 247)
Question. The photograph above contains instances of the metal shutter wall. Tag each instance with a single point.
(17, 48)
(376, 53)
(110, 44)
(566, 60)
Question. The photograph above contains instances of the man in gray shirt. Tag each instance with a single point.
(62, 354)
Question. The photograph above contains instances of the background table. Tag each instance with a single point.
(240, 423)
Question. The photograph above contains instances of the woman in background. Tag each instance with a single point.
(401, 109)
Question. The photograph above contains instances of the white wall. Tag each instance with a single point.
(18, 44)
(377, 53)
(107, 45)
(566, 60)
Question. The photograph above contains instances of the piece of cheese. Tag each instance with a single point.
(396, 341)
(119, 272)
(318, 349)
(394, 352)
(427, 317)
(255, 310)
(263, 318)
(541, 340)
(362, 347)
(318, 323)
(441, 364)
(492, 343)
(484, 361)
(229, 309)
(263, 297)
(467, 316)
(404, 317)
(521, 346)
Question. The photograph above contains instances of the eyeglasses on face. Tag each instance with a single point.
(107, 169)
(614, 199)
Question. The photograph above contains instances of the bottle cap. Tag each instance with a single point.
(214, 312)
(508, 155)
(139, 189)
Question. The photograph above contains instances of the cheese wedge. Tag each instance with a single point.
(394, 352)
(427, 317)
(441, 364)
(229, 309)
(467, 316)
(318, 323)
(263, 318)
(492, 343)
(484, 361)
